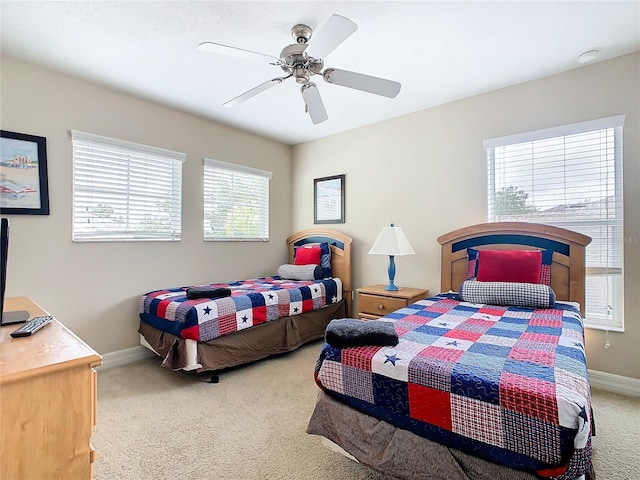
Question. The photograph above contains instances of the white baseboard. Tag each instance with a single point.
(122, 357)
(615, 383)
(605, 381)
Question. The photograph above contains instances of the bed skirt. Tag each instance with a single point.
(400, 453)
(245, 346)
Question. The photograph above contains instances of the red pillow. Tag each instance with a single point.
(307, 255)
(521, 266)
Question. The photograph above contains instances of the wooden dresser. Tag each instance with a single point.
(375, 302)
(48, 390)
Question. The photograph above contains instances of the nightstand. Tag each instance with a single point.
(375, 302)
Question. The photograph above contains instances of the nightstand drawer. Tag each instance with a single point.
(379, 305)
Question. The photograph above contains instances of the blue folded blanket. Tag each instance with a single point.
(348, 332)
(194, 293)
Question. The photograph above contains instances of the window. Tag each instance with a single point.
(236, 202)
(125, 191)
(570, 177)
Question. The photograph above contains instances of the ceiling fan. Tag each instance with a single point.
(304, 59)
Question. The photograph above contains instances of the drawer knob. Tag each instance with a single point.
(380, 307)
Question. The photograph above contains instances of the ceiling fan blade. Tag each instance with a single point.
(234, 51)
(313, 102)
(253, 92)
(360, 81)
(333, 33)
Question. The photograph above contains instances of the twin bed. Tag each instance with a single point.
(261, 317)
(473, 390)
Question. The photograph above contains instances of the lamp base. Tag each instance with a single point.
(391, 288)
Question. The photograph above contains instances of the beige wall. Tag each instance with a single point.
(94, 287)
(427, 173)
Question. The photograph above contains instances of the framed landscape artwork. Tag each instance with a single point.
(24, 186)
(328, 199)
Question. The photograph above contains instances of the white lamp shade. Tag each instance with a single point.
(392, 241)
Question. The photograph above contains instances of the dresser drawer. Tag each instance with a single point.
(379, 305)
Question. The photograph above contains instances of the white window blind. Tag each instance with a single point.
(571, 177)
(125, 191)
(236, 202)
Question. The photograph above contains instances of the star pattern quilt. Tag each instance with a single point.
(252, 302)
(508, 384)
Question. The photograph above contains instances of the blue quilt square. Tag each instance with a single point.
(306, 293)
(429, 330)
(465, 308)
(330, 291)
(574, 323)
(553, 331)
(295, 295)
(529, 369)
(242, 302)
(572, 365)
(331, 353)
(257, 300)
(503, 332)
(427, 314)
(411, 309)
(515, 326)
(476, 382)
(575, 353)
(488, 362)
(514, 320)
(391, 394)
(490, 349)
(420, 337)
(395, 315)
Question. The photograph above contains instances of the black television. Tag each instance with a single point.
(8, 318)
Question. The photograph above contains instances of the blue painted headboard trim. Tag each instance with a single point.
(511, 239)
(329, 240)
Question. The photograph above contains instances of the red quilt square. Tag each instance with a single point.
(498, 312)
(530, 396)
(359, 357)
(463, 335)
(534, 356)
(259, 314)
(539, 337)
(414, 319)
(546, 321)
(307, 305)
(446, 354)
(228, 324)
(430, 405)
(162, 308)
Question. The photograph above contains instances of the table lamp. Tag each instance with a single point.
(392, 241)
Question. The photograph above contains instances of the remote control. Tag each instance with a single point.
(32, 326)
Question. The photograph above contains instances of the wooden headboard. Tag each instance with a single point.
(567, 269)
(340, 245)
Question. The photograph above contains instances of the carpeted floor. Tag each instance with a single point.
(157, 424)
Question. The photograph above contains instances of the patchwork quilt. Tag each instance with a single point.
(508, 384)
(252, 302)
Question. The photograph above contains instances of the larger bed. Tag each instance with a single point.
(472, 390)
(257, 318)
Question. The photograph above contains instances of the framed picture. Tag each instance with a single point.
(24, 187)
(328, 199)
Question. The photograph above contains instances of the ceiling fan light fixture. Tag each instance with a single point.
(301, 74)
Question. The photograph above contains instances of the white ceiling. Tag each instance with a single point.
(439, 50)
